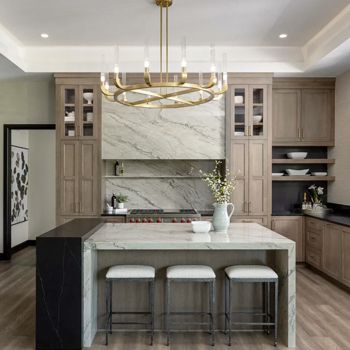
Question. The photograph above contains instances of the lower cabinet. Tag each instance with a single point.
(332, 257)
(292, 228)
(328, 248)
(345, 272)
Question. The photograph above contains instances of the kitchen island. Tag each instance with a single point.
(162, 245)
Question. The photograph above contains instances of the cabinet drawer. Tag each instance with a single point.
(314, 225)
(314, 240)
(313, 257)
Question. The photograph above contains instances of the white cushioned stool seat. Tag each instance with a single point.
(190, 272)
(130, 271)
(250, 271)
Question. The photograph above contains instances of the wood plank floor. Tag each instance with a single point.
(323, 316)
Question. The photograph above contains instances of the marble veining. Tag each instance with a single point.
(139, 133)
(180, 236)
(161, 193)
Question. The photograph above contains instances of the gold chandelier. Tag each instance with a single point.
(165, 93)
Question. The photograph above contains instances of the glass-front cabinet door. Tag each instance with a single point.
(88, 98)
(69, 112)
(78, 114)
(239, 105)
(249, 111)
(257, 111)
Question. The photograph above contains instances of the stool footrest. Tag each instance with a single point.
(254, 323)
(140, 323)
(131, 313)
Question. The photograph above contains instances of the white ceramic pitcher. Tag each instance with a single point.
(221, 217)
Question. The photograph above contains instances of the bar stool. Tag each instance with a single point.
(253, 274)
(190, 273)
(134, 273)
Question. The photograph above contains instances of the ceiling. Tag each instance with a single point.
(133, 22)
(81, 31)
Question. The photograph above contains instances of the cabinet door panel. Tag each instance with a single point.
(286, 115)
(291, 228)
(332, 247)
(88, 184)
(316, 121)
(346, 258)
(239, 168)
(258, 190)
(69, 178)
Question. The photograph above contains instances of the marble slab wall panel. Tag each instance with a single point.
(181, 133)
(170, 193)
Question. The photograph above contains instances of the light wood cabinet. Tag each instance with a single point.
(249, 163)
(286, 115)
(78, 119)
(345, 273)
(292, 228)
(317, 116)
(303, 113)
(328, 248)
(331, 257)
(248, 110)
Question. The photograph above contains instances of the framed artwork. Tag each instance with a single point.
(19, 184)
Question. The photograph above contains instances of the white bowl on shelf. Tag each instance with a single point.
(277, 174)
(239, 99)
(319, 173)
(297, 155)
(257, 119)
(201, 226)
(88, 96)
(294, 172)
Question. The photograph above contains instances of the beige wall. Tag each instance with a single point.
(42, 182)
(339, 191)
(27, 100)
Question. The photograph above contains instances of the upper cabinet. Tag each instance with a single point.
(303, 113)
(78, 121)
(248, 110)
(78, 111)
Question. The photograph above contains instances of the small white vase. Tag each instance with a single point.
(120, 205)
(221, 217)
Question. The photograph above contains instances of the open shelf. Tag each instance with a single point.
(303, 178)
(303, 161)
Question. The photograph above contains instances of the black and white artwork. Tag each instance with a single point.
(19, 184)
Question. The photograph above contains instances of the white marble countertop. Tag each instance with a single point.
(240, 236)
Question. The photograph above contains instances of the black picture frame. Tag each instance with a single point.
(7, 250)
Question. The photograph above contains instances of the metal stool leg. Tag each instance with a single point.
(276, 312)
(211, 311)
(229, 312)
(107, 310)
(110, 306)
(167, 311)
(226, 305)
(268, 305)
(151, 307)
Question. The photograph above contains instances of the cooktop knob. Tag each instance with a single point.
(189, 221)
(183, 220)
(144, 220)
(138, 221)
(159, 220)
(150, 221)
(132, 220)
(174, 221)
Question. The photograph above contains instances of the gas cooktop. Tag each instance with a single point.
(163, 211)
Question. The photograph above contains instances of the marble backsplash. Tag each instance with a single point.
(185, 133)
(149, 193)
(160, 183)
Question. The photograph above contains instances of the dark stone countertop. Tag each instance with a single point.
(77, 228)
(334, 218)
